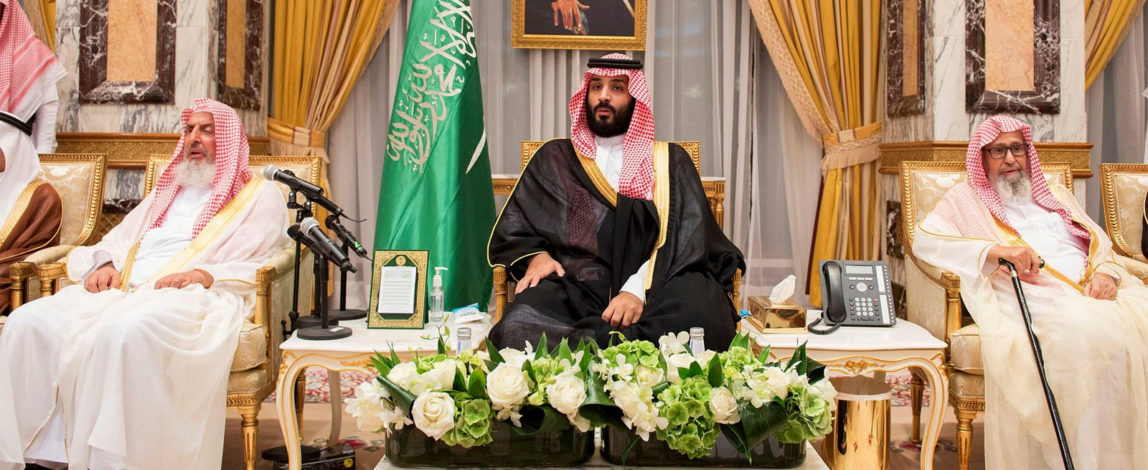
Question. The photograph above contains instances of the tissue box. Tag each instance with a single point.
(765, 314)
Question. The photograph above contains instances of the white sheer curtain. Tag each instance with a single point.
(711, 81)
(1116, 112)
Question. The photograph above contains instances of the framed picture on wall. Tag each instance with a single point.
(579, 24)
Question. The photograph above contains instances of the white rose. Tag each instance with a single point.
(680, 360)
(513, 357)
(566, 394)
(724, 406)
(434, 414)
(404, 375)
(650, 376)
(507, 386)
(441, 376)
(777, 382)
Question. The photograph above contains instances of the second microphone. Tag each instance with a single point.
(308, 233)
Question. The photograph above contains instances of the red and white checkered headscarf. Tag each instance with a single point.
(987, 132)
(637, 175)
(23, 58)
(232, 153)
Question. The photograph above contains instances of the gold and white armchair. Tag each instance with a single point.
(1122, 189)
(255, 365)
(79, 180)
(715, 193)
(933, 298)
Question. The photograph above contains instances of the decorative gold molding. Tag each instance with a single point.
(519, 38)
(132, 150)
(857, 367)
(1108, 172)
(1075, 154)
(966, 404)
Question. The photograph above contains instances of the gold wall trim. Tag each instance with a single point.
(1076, 154)
(131, 151)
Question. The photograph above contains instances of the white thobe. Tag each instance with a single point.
(1094, 354)
(608, 157)
(138, 379)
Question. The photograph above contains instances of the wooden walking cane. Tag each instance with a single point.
(1060, 439)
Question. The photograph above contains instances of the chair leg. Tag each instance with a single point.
(300, 393)
(250, 415)
(964, 436)
(916, 389)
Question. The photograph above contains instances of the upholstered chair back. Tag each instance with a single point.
(79, 179)
(1123, 187)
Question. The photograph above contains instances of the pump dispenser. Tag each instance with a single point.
(436, 300)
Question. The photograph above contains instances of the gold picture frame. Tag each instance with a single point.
(414, 320)
(603, 26)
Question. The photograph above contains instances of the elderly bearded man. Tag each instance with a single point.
(1090, 313)
(609, 231)
(129, 368)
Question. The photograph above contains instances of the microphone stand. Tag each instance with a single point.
(343, 313)
(302, 211)
(1058, 427)
(327, 329)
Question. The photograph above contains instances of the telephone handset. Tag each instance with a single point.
(855, 293)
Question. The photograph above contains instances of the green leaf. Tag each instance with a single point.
(736, 436)
(539, 419)
(598, 407)
(441, 345)
(394, 357)
(760, 423)
(716, 377)
(798, 357)
(495, 356)
(543, 348)
(564, 351)
(477, 385)
(459, 381)
(695, 369)
(626, 453)
(529, 369)
(659, 388)
(763, 357)
(741, 339)
(380, 364)
(403, 399)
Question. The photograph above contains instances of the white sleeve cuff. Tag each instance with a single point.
(99, 259)
(636, 284)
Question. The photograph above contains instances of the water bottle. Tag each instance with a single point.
(463, 336)
(697, 340)
(435, 313)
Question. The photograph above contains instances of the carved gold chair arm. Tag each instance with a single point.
(500, 289)
(49, 255)
(1135, 267)
(50, 275)
(20, 273)
(273, 298)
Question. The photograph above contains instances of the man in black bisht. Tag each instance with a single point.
(609, 231)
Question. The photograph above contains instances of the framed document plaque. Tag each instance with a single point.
(398, 289)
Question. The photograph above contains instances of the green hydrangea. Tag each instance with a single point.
(472, 424)
(809, 415)
(691, 429)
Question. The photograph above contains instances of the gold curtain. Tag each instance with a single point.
(320, 49)
(1106, 23)
(42, 16)
(827, 54)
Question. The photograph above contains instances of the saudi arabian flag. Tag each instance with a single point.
(436, 192)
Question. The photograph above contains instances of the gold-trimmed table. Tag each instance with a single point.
(352, 353)
(856, 350)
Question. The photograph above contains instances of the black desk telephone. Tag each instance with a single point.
(855, 293)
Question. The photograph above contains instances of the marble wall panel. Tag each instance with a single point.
(905, 76)
(1044, 98)
(95, 87)
(249, 50)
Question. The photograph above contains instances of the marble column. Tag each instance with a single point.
(965, 47)
(196, 65)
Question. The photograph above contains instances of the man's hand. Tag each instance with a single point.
(624, 310)
(1025, 260)
(1102, 286)
(103, 279)
(541, 265)
(184, 279)
(568, 9)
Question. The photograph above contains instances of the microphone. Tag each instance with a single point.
(273, 173)
(345, 236)
(312, 192)
(308, 233)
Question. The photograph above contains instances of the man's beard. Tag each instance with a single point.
(196, 174)
(1018, 189)
(604, 128)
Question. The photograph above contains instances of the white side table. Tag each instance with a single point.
(856, 350)
(352, 353)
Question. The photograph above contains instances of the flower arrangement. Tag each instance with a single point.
(666, 391)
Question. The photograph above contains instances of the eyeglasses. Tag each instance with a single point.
(1018, 150)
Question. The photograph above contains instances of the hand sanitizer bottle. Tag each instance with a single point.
(463, 340)
(697, 341)
(436, 306)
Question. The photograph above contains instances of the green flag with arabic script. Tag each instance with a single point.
(436, 192)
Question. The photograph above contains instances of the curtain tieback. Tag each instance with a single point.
(295, 135)
(851, 146)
